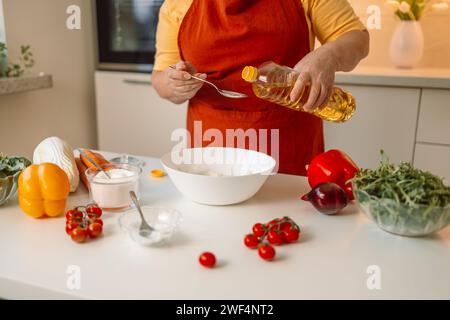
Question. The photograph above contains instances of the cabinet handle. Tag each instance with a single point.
(140, 82)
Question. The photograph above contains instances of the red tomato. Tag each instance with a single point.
(207, 259)
(251, 241)
(273, 225)
(275, 238)
(266, 252)
(285, 226)
(70, 226)
(79, 235)
(100, 221)
(95, 230)
(292, 235)
(258, 230)
(94, 212)
(74, 214)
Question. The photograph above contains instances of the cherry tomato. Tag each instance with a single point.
(79, 235)
(95, 230)
(100, 221)
(272, 225)
(258, 230)
(266, 252)
(70, 226)
(292, 235)
(275, 238)
(207, 259)
(74, 214)
(285, 226)
(251, 241)
(94, 212)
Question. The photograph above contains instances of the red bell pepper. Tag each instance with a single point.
(333, 166)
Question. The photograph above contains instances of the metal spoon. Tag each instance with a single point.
(145, 230)
(95, 164)
(225, 93)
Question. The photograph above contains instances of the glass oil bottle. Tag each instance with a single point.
(274, 83)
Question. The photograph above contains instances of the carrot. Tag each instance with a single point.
(97, 157)
(82, 169)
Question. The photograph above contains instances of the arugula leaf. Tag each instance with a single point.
(404, 184)
(11, 165)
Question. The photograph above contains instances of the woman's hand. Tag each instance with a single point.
(316, 69)
(177, 85)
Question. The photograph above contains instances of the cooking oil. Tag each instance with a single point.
(274, 83)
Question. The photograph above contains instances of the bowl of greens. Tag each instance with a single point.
(402, 199)
(10, 168)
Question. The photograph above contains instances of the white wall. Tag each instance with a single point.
(436, 28)
(68, 109)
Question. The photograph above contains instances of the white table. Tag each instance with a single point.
(330, 261)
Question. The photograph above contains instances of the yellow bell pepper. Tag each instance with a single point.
(43, 190)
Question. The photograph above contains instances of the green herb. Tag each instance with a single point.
(9, 166)
(402, 199)
(26, 61)
(404, 184)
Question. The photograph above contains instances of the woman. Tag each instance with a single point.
(215, 39)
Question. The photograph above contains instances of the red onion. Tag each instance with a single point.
(327, 198)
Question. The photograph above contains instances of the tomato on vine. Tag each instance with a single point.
(251, 241)
(266, 252)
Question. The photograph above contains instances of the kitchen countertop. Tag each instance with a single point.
(394, 77)
(330, 261)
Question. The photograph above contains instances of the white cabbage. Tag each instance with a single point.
(57, 151)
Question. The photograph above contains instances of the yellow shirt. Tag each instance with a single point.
(327, 20)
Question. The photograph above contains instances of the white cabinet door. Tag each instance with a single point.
(385, 119)
(433, 158)
(132, 118)
(434, 119)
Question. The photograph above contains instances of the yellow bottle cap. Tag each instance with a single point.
(249, 74)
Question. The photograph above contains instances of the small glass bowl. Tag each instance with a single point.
(165, 222)
(8, 187)
(402, 219)
(124, 158)
(113, 194)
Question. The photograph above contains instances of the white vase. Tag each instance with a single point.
(407, 44)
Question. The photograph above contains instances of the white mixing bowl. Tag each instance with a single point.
(218, 176)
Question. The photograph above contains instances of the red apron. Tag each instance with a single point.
(220, 37)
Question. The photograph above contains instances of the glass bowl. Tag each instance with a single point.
(165, 222)
(402, 219)
(124, 158)
(8, 187)
(114, 194)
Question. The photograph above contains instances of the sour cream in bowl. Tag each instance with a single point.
(113, 192)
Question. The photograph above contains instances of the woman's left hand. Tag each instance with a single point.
(316, 69)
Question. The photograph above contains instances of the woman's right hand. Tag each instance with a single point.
(179, 84)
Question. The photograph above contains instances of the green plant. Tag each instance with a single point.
(413, 10)
(9, 166)
(404, 184)
(17, 69)
(402, 199)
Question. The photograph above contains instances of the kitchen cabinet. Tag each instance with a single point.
(433, 158)
(434, 118)
(433, 133)
(385, 118)
(132, 118)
